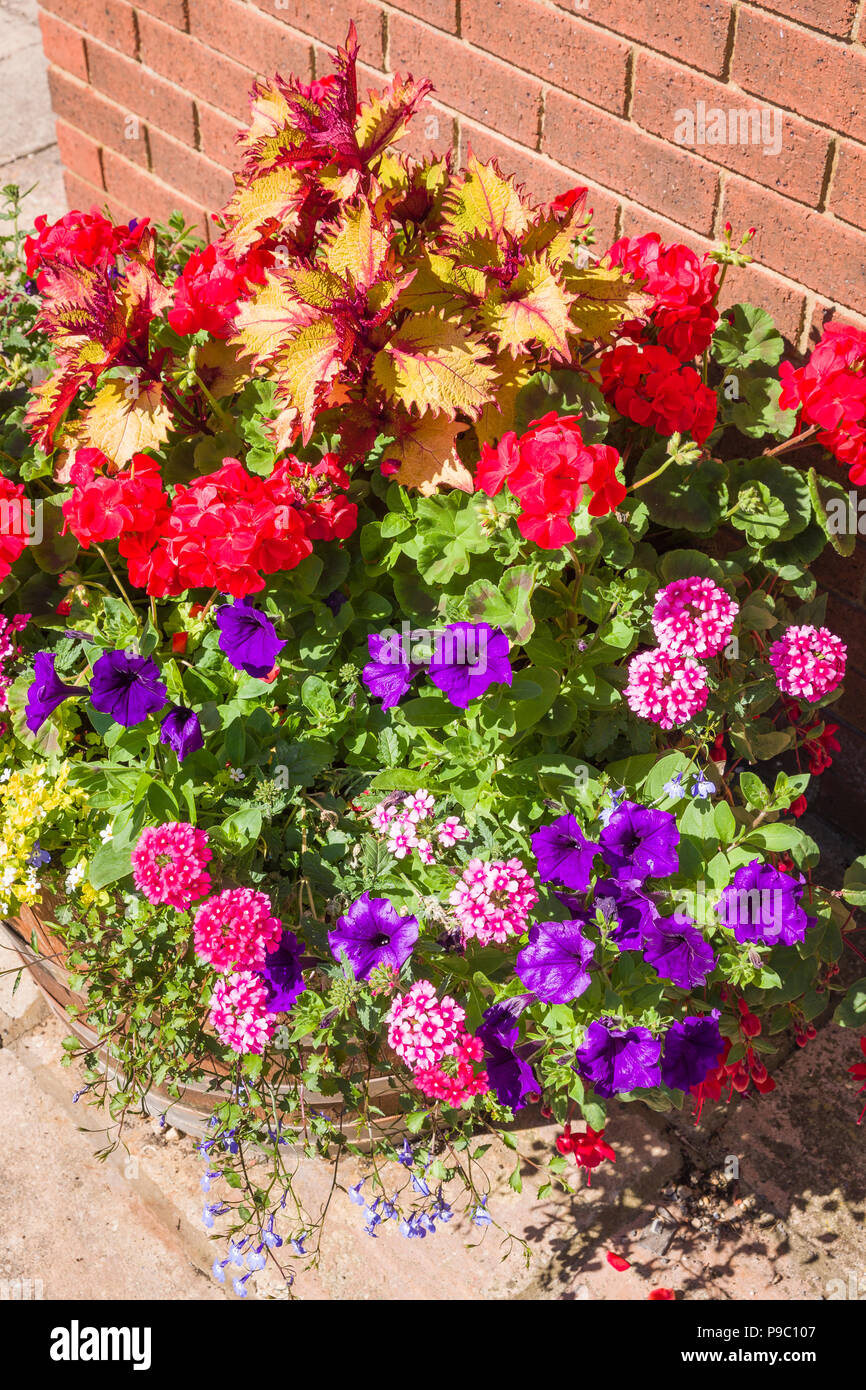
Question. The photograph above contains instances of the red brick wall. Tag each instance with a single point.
(148, 96)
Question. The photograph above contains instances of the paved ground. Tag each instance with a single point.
(28, 148)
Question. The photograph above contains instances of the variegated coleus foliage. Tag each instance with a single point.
(404, 300)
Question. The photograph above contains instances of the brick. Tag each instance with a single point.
(208, 184)
(431, 134)
(103, 120)
(542, 179)
(748, 284)
(169, 11)
(260, 43)
(822, 314)
(63, 45)
(148, 195)
(79, 153)
(695, 31)
(133, 88)
(217, 134)
(554, 46)
(844, 574)
(112, 21)
(816, 76)
(442, 13)
(846, 619)
(830, 16)
(848, 190)
(622, 158)
(664, 90)
(806, 246)
(192, 66)
(82, 194)
(328, 21)
(484, 88)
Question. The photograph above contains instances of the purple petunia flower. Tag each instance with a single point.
(554, 963)
(389, 672)
(678, 951)
(506, 1064)
(564, 854)
(691, 1049)
(282, 975)
(616, 1059)
(373, 933)
(46, 692)
(640, 843)
(632, 910)
(248, 638)
(763, 904)
(127, 687)
(467, 659)
(181, 730)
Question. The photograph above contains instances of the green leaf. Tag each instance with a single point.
(506, 606)
(317, 697)
(851, 1012)
(110, 863)
(747, 334)
(854, 883)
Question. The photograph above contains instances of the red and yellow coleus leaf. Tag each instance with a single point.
(431, 364)
(602, 300)
(123, 419)
(278, 195)
(358, 248)
(534, 308)
(427, 453)
(384, 117)
(498, 414)
(288, 302)
(482, 202)
(306, 371)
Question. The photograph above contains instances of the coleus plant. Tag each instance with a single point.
(420, 613)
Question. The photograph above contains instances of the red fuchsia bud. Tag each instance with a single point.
(759, 1072)
(564, 1141)
(751, 1025)
(765, 1086)
(811, 1032)
(532, 1097)
(64, 608)
(801, 1039)
(742, 1006)
(798, 806)
(740, 1078)
(546, 1112)
(178, 642)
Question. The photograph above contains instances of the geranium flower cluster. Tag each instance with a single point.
(492, 900)
(692, 617)
(411, 826)
(224, 531)
(207, 291)
(79, 239)
(428, 1034)
(15, 529)
(809, 662)
(683, 287)
(830, 392)
(649, 385)
(551, 471)
(169, 864)
(9, 653)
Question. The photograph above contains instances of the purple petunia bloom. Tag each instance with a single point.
(389, 672)
(127, 687)
(632, 910)
(282, 975)
(691, 1049)
(616, 1059)
(554, 963)
(181, 730)
(46, 692)
(511, 1076)
(763, 904)
(248, 638)
(467, 659)
(678, 951)
(373, 933)
(639, 843)
(564, 854)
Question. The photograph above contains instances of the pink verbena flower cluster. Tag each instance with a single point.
(669, 690)
(809, 662)
(410, 826)
(492, 900)
(429, 1035)
(693, 617)
(169, 864)
(236, 929)
(239, 1012)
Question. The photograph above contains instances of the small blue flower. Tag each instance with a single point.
(615, 798)
(355, 1194)
(702, 787)
(481, 1216)
(420, 1185)
(218, 1269)
(240, 1286)
(207, 1179)
(674, 788)
(406, 1156)
(256, 1259)
(298, 1245)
